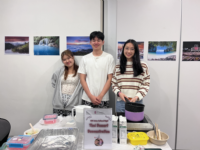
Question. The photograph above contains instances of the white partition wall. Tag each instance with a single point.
(110, 28)
(188, 110)
(25, 81)
(153, 20)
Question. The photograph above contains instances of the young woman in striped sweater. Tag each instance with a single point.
(131, 78)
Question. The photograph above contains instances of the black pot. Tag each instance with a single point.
(134, 111)
(134, 107)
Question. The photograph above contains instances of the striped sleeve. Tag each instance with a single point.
(114, 82)
(144, 87)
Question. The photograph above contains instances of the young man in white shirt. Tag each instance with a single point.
(96, 71)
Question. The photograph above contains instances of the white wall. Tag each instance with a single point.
(25, 81)
(188, 110)
(153, 20)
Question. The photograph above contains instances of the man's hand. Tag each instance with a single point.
(94, 100)
(99, 98)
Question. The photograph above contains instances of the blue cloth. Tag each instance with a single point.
(120, 105)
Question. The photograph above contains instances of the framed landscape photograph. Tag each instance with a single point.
(16, 45)
(79, 45)
(162, 50)
(191, 51)
(46, 45)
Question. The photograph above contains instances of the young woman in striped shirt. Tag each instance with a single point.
(131, 78)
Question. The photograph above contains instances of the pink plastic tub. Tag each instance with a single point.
(50, 118)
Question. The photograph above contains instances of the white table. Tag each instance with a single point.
(114, 146)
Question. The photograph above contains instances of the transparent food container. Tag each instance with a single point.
(62, 139)
(20, 142)
(50, 118)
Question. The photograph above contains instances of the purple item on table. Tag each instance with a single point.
(134, 116)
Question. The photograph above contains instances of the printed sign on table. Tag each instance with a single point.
(98, 128)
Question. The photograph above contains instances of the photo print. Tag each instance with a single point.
(191, 51)
(98, 142)
(140, 46)
(162, 50)
(16, 45)
(46, 45)
(79, 45)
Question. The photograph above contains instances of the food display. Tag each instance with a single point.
(67, 137)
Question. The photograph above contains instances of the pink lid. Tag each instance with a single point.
(50, 116)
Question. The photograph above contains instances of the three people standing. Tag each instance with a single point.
(130, 78)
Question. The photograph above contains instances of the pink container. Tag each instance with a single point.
(20, 142)
(50, 118)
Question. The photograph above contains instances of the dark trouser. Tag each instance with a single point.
(62, 112)
(104, 104)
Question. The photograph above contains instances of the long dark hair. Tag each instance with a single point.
(70, 54)
(137, 67)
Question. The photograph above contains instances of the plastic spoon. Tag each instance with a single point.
(32, 128)
(155, 135)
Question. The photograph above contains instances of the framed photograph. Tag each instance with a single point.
(191, 51)
(46, 45)
(16, 45)
(79, 45)
(162, 50)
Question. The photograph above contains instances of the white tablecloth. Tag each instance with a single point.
(128, 146)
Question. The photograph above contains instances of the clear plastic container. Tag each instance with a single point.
(50, 118)
(20, 142)
(138, 138)
(70, 122)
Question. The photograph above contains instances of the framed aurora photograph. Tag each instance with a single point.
(79, 45)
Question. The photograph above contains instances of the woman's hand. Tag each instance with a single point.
(134, 99)
(122, 95)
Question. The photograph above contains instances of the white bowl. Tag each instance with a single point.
(33, 135)
(164, 137)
